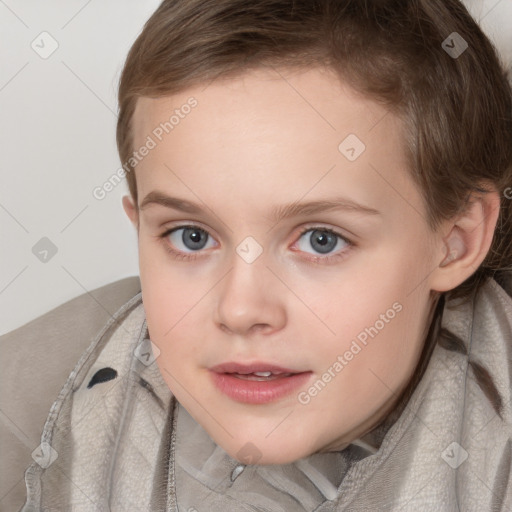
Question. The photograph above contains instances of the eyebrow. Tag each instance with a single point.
(277, 214)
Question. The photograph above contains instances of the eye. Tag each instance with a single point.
(189, 238)
(321, 241)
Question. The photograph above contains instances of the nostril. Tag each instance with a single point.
(103, 375)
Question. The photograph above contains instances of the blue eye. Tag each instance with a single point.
(323, 241)
(190, 238)
(325, 245)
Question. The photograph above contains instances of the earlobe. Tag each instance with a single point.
(131, 211)
(467, 241)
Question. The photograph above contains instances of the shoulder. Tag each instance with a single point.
(35, 361)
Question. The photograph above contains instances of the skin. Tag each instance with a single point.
(254, 143)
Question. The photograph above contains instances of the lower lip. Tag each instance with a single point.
(258, 392)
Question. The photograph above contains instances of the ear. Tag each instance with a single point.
(131, 211)
(465, 241)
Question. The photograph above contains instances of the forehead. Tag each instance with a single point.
(269, 96)
(272, 131)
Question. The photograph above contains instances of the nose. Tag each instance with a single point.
(250, 299)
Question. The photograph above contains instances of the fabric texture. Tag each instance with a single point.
(35, 361)
(125, 443)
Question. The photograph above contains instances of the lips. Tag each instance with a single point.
(256, 383)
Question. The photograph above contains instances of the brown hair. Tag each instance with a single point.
(456, 111)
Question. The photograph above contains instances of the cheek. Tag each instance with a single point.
(377, 356)
(376, 315)
(354, 298)
(173, 305)
(168, 292)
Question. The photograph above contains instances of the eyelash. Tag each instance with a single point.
(181, 256)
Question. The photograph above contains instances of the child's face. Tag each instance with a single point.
(345, 315)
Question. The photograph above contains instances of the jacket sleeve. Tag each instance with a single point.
(35, 361)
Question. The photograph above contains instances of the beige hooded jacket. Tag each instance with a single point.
(116, 439)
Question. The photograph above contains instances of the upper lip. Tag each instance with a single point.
(232, 367)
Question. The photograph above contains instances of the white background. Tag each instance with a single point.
(57, 141)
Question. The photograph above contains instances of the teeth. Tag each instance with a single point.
(261, 376)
